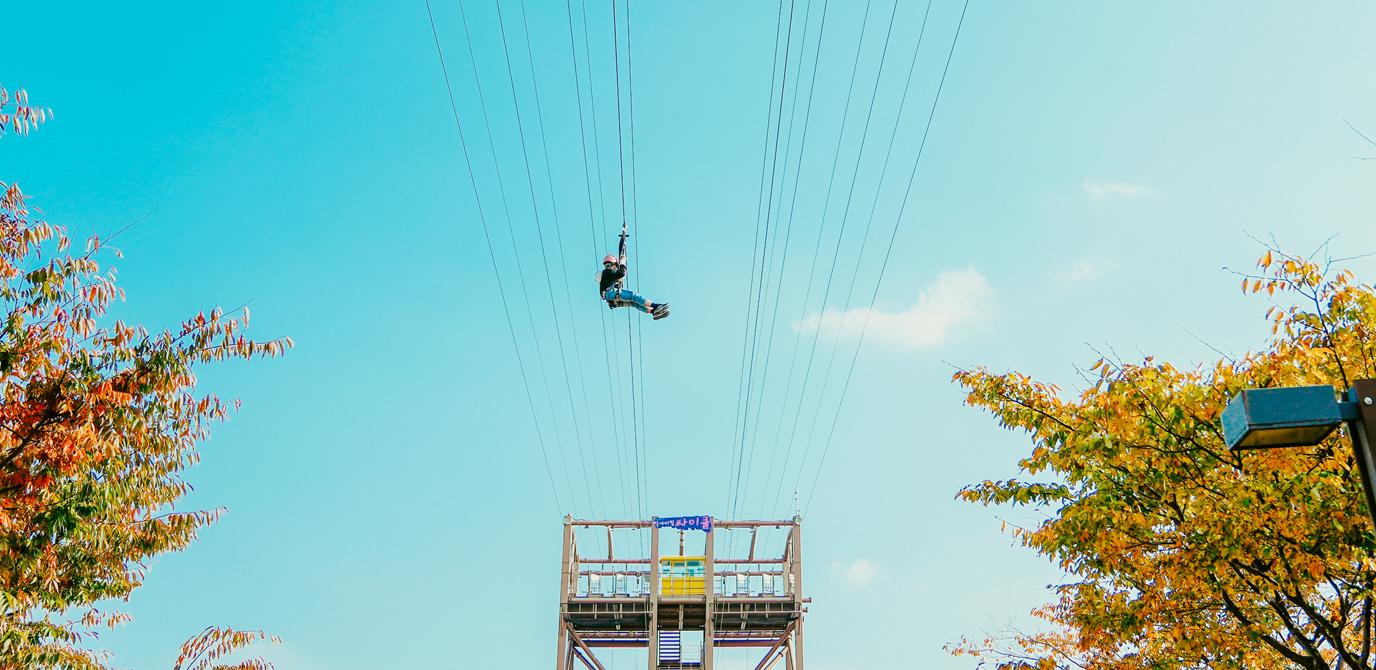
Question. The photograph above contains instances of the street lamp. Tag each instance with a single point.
(1301, 416)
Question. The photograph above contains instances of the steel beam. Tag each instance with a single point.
(770, 659)
(710, 591)
(779, 643)
(654, 599)
(797, 542)
(565, 568)
(584, 647)
(589, 523)
(579, 655)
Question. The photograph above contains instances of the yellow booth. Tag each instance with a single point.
(682, 575)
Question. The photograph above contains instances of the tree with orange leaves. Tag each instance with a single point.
(98, 421)
(1182, 554)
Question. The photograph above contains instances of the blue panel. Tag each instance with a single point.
(703, 523)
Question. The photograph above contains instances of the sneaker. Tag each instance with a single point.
(661, 311)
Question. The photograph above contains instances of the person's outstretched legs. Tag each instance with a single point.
(623, 297)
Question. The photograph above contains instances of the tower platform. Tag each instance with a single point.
(681, 608)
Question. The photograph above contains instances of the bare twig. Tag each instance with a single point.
(1201, 341)
(1359, 134)
(135, 223)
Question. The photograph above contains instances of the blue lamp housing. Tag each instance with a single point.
(1281, 417)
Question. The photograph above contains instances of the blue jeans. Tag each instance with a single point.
(624, 297)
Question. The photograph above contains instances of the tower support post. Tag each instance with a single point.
(563, 662)
(654, 598)
(797, 567)
(565, 567)
(709, 591)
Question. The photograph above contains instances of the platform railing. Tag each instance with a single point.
(625, 581)
(606, 582)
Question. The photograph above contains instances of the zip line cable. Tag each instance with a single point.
(788, 234)
(821, 230)
(568, 294)
(482, 217)
(883, 174)
(797, 173)
(635, 223)
(783, 412)
(520, 271)
(602, 209)
(898, 220)
(596, 142)
(544, 256)
(621, 153)
(845, 216)
(826, 377)
(762, 301)
(634, 457)
(773, 318)
(618, 425)
(859, 262)
(776, 208)
(750, 295)
(592, 228)
(743, 392)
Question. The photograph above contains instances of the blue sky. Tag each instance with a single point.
(1090, 170)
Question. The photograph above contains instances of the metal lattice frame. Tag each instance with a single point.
(591, 619)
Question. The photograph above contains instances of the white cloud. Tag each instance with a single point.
(1076, 273)
(1101, 190)
(956, 297)
(857, 573)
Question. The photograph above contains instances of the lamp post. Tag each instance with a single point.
(1302, 416)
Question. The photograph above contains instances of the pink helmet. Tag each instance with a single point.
(611, 258)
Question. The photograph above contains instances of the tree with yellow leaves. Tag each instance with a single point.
(1182, 554)
(98, 421)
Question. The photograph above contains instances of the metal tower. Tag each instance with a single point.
(668, 603)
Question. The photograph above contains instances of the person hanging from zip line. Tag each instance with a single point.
(610, 284)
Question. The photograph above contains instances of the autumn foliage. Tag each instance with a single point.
(98, 421)
(1180, 553)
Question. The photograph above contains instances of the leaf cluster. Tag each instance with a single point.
(98, 421)
(17, 114)
(1183, 554)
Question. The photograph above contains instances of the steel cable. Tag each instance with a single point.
(621, 154)
(544, 256)
(898, 220)
(592, 229)
(482, 217)
(826, 377)
(765, 273)
(737, 446)
(831, 182)
(635, 223)
(797, 173)
(563, 263)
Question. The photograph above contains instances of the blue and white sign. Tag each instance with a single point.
(702, 523)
